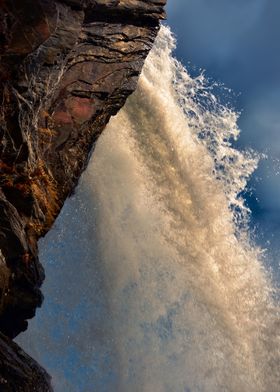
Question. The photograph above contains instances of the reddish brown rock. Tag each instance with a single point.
(66, 66)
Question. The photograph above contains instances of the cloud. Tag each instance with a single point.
(213, 29)
(235, 42)
(261, 126)
(262, 117)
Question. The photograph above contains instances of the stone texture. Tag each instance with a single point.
(66, 66)
(18, 371)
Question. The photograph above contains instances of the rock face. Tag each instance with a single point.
(19, 372)
(66, 66)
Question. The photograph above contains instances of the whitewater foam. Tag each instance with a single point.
(190, 301)
(178, 299)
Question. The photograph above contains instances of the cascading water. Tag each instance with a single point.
(177, 299)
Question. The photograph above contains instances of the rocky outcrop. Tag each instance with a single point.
(18, 371)
(66, 67)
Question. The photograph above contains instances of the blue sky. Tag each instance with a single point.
(237, 42)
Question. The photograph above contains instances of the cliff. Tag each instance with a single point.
(18, 371)
(66, 67)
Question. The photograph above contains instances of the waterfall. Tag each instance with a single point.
(160, 279)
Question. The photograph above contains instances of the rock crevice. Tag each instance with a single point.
(66, 67)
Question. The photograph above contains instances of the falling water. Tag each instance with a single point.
(180, 299)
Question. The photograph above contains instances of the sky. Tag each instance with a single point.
(237, 43)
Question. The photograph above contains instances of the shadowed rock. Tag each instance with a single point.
(18, 371)
(66, 67)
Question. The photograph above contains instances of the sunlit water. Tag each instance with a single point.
(153, 283)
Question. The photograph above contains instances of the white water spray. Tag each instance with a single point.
(173, 295)
(189, 301)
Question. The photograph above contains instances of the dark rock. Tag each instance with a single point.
(18, 371)
(66, 66)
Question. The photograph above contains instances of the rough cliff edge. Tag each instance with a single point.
(66, 66)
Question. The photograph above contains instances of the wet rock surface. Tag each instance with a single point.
(18, 371)
(66, 67)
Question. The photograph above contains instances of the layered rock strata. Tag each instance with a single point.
(66, 66)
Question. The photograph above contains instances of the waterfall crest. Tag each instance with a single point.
(178, 298)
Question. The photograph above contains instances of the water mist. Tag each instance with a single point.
(173, 296)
